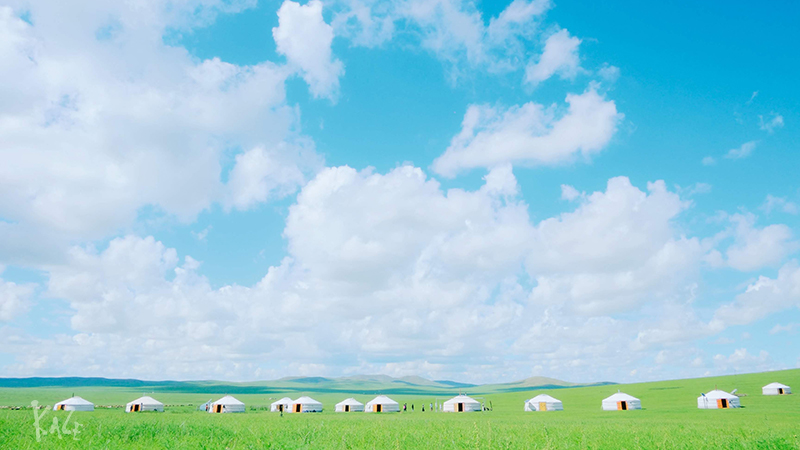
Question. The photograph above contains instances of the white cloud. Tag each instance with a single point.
(305, 39)
(570, 193)
(14, 299)
(762, 298)
(771, 125)
(203, 234)
(617, 246)
(560, 56)
(452, 30)
(743, 151)
(93, 130)
(788, 328)
(531, 134)
(741, 360)
(610, 74)
(754, 248)
(373, 288)
(772, 203)
(709, 161)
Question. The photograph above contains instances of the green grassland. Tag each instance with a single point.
(669, 419)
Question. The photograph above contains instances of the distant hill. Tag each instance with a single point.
(363, 384)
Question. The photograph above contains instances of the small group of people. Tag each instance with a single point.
(430, 407)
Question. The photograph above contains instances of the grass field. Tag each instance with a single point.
(669, 419)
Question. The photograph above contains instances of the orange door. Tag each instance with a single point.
(298, 408)
(378, 408)
(542, 406)
(622, 406)
(460, 407)
(346, 408)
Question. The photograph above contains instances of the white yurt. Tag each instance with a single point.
(461, 403)
(349, 405)
(306, 404)
(382, 403)
(144, 404)
(621, 402)
(776, 389)
(717, 399)
(282, 405)
(544, 402)
(74, 404)
(227, 404)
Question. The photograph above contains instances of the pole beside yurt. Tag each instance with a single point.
(621, 402)
(74, 404)
(462, 403)
(227, 404)
(349, 405)
(144, 404)
(382, 404)
(776, 389)
(544, 402)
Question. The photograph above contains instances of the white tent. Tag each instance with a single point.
(227, 404)
(144, 404)
(284, 405)
(717, 399)
(306, 404)
(776, 389)
(74, 404)
(544, 402)
(382, 403)
(461, 403)
(621, 402)
(349, 405)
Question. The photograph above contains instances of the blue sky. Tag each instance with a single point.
(476, 191)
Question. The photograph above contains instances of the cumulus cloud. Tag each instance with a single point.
(615, 247)
(754, 248)
(97, 126)
(409, 284)
(305, 39)
(454, 31)
(763, 297)
(560, 56)
(741, 359)
(14, 299)
(531, 134)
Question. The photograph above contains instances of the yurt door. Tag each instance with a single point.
(542, 406)
(346, 408)
(722, 403)
(136, 408)
(378, 408)
(780, 391)
(460, 407)
(298, 407)
(280, 408)
(217, 408)
(61, 407)
(622, 406)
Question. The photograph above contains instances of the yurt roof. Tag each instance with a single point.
(716, 393)
(305, 400)
(228, 400)
(382, 400)
(350, 401)
(543, 398)
(461, 399)
(146, 400)
(621, 397)
(776, 385)
(75, 401)
(283, 401)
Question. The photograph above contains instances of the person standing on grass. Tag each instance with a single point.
(412, 407)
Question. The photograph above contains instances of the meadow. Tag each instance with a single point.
(669, 419)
